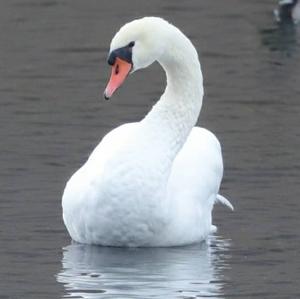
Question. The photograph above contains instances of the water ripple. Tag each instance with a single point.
(186, 272)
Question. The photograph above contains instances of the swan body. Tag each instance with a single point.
(154, 182)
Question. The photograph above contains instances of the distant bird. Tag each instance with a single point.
(288, 11)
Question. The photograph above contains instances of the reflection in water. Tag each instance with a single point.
(182, 272)
(281, 38)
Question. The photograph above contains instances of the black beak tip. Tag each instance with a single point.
(105, 97)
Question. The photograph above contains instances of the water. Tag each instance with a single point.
(53, 73)
(144, 272)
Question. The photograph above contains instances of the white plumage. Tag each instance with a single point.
(154, 182)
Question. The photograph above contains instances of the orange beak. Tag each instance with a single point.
(119, 72)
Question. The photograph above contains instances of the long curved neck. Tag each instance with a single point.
(176, 113)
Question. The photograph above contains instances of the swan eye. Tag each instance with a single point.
(131, 44)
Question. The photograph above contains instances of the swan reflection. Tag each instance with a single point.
(104, 272)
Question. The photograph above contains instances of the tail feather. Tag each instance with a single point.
(224, 201)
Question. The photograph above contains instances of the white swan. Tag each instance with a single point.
(151, 183)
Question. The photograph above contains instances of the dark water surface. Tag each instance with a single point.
(53, 73)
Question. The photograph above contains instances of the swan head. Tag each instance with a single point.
(135, 46)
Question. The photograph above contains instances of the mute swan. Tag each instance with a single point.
(154, 182)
